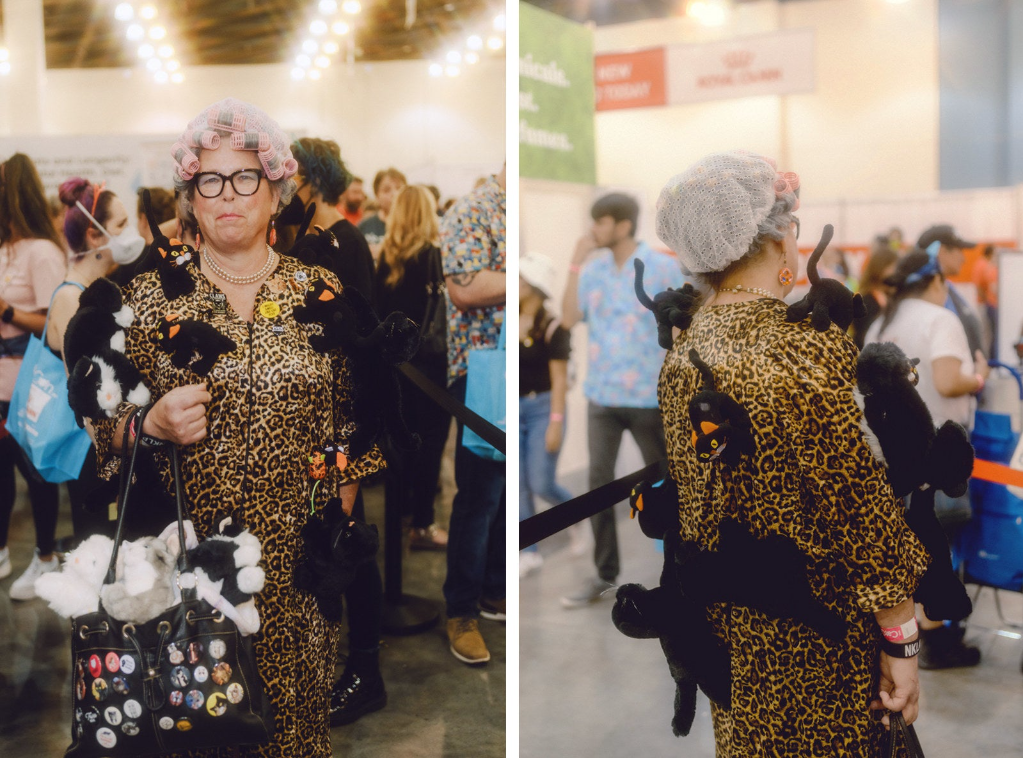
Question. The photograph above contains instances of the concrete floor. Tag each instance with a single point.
(437, 707)
(587, 690)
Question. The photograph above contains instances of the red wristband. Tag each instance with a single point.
(900, 633)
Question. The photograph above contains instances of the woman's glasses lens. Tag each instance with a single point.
(245, 182)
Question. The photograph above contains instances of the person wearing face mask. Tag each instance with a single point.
(32, 264)
(101, 239)
(386, 186)
(322, 179)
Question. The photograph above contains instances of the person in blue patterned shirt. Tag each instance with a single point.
(623, 359)
(472, 237)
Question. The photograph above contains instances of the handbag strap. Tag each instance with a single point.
(46, 324)
(125, 491)
(900, 727)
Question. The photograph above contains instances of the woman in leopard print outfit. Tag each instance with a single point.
(812, 478)
(246, 428)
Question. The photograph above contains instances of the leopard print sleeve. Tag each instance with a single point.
(882, 559)
(140, 296)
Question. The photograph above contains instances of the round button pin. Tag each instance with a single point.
(132, 709)
(95, 665)
(218, 649)
(113, 663)
(112, 716)
(194, 652)
(106, 737)
(301, 277)
(176, 657)
(166, 723)
(194, 699)
(176, 697)
(180, 676)
(201, 674)
(269, 309)
(221, 673)
(80, 689)
(127, 664)
(100, 690)
(120, 685)
(130, 728)
(235, 693)
(184, 724)
(92, 715)
(217, 704)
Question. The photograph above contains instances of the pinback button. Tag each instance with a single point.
(133, 709)
(269, 309)
(95, 665)
(301, 277)
(184, 724)
(218, 649)
(194, 652)
(194, 699)
(201, 674)
(113, 663)
(100, 690)
(120, 685)
(127, 664)
(235, 693)
(130, 728)
(166, 723)
(106, 737)
(217, 704)
(176, 697)
(91, 715)
(80, 689)
(221, 673)
(112, 716)
(180, 676)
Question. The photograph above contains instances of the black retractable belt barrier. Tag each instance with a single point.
(543, 525)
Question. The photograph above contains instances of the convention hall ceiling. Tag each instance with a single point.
(85, 33)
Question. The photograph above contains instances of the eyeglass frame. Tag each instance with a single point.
(225, 179)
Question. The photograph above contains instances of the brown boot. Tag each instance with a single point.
(467, 643)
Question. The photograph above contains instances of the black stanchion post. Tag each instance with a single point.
(402, 614)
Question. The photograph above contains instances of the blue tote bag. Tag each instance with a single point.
(485, 394)
(40, 419)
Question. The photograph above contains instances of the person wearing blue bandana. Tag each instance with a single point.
(951, 257)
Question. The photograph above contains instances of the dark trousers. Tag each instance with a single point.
(41, 494)
(476, 540)
(605, 428)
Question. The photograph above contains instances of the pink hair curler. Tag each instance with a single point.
(203, 138)
(230, 121)
(251, 141)
(188, 163)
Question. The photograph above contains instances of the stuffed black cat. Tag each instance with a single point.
(721, 426)
(99, 322)
(828, 301)
(332, 550)
(183, 337)
(319, 249)
(672, 308)
(101, 382)
(173, 258)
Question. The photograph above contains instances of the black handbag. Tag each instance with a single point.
(433, 332)
(182, 681)
(900, 731)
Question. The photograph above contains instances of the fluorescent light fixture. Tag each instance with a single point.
(330, 47)
(146, 51)
(148, 12)
(500, 22)
(453, 56)
(135, 32)
(318, 27)
(472, 58)
(495, 43)
(165, 51)
(475, 42)
(157, 32)
(328, 7)
(310, 47)
(304, 60)
(124, 12)
(351, 7)
(340, 28)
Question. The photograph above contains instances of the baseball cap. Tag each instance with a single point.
(538, 271)
(944, 234)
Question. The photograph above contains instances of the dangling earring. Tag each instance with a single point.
(273, 234)
(785, 276)
(198, 239)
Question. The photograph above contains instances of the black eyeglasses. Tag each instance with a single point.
(245, 182)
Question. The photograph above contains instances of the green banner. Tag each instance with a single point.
(556, 98)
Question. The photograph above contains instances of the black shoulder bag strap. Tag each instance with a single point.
(899, 728)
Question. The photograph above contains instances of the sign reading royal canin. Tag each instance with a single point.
(780, 63)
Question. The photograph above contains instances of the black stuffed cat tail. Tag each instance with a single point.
(172, 257)
(671, 308)
(705, 373)
(306, 220)
(828, 301)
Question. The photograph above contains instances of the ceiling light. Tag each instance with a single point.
(499, 22)
(322, 61)
(5, 68)
(452, 71)
(330, 47)
(161, 77)
(172, 65)
(124, 12)
(319, 26)
(157, 32)
(148, 12)
(146, 51)
(5, 54)
(495, 43)
(351, 7)
(154, 64)
(315, 74)
(310, 47)
(178, 78)
(454, 56)
(304, 60)
(475, 42)
(135, 32)
(297, 73)
(340, 28)
(436, 69)
(707, 12)
(328, 7)
(472, 58)
(165, 51)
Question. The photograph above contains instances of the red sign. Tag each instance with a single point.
(630, 80)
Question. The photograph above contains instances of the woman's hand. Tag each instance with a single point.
(555, 433)
(980, 365)
(180, 415)
(899, 688)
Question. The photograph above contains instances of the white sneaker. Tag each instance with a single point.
(580, 539)
(5, 563)
(24, 587)
(529, 561)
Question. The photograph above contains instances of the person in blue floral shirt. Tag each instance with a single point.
(623, 359)
(472, 236)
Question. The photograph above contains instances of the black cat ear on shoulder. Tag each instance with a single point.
(671, 308)
(172, 257)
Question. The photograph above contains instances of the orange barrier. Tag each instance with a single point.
(997, 473)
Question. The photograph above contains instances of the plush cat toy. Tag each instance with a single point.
(320, 249)
(172, 256)
(920, 460)
(143, 585)
(721, 426)
(74, 590)
(672, 308)
(99, 383)
(332, 550)
(325, 306)
(183, 337)
(99, 322)
(828, 301)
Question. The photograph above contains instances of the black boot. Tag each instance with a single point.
(943, 648)
(359, 691)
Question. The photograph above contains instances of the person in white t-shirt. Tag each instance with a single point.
(917, 321)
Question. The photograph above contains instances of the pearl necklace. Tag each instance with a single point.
(251, 278)
(738, 288)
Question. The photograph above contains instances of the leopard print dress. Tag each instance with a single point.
(274, 399)
(814, 480)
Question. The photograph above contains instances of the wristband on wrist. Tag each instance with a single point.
(557, 417)
(901, 649)
(900, 633)
(980, 382)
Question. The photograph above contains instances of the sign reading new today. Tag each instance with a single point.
(556, 106)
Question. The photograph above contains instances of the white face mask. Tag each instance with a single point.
(125, 247)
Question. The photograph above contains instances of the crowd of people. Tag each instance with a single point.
(240, 209)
